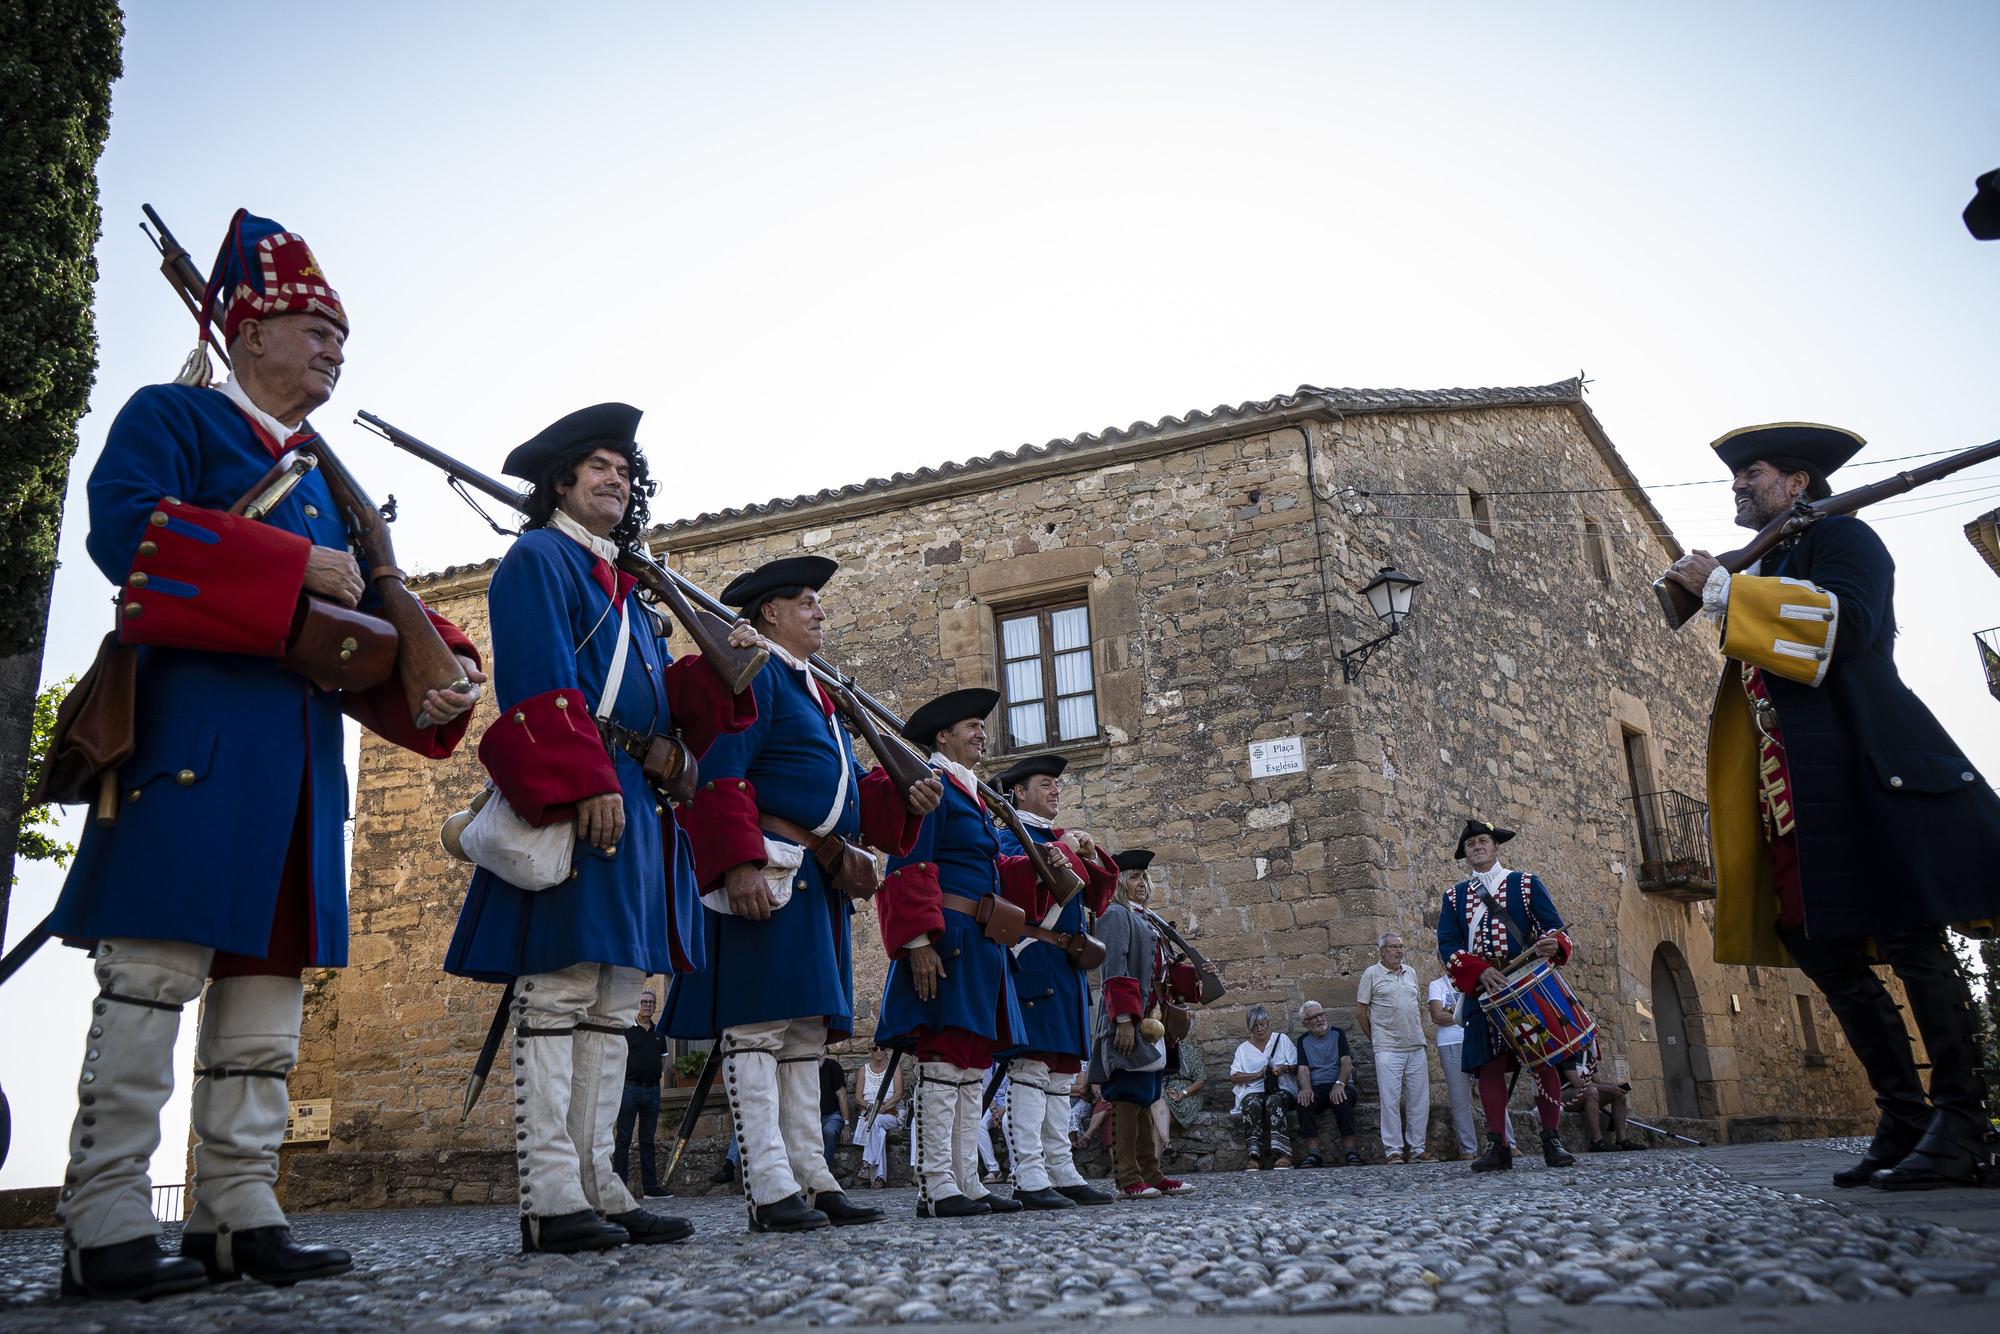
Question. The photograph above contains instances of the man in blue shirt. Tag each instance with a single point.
(1329, 1087)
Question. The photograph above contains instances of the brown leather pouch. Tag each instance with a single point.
(670, 767)
(339, 648)
(848, 868)
(93, 731)
(1084, 951)
(1001, 922)
(1177, 1019)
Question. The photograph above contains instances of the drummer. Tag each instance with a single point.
(1487, 921)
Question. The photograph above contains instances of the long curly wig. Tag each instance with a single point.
(539, 505)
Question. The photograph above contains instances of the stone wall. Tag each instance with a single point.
(1219, 565)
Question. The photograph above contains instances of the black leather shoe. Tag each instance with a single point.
(1001, 1204)
(1497, 1158)
(566, 1234)
(954, 1206)
(1553, 1152)
(1048, 1197)
(1891, 1145)
(130, 1270)
(646, 1228)
(791, 1214)
(1950, 1154)
(656, 1191)
(1087, 1194)
(267, 1254)
(843, 1212)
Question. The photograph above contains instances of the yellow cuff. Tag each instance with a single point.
(1785, 626)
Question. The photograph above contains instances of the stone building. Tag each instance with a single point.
(1159, 600)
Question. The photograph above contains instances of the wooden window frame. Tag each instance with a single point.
(1044, 609)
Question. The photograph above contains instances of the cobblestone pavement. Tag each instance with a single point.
(1660, 1230)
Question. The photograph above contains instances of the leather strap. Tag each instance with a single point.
(791, 833)
(523, 1031)
(960, 903)
(612, 1029)
(1059, 939)
(138, 1000)
(236, 1072)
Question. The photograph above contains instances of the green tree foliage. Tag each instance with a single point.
(38, 843)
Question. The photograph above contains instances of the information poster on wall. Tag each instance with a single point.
(310, 1122)
(1278, 755)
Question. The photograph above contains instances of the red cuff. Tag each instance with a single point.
(722, 824)
(908, 906)
(1563, 946)
(385, 712)
(1100, 883)
(1465, 969)
(702, 706)
(887, 822)
(545, 756)
(206, 579)
(1121, 997)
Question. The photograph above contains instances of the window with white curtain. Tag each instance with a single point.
(1048, 689)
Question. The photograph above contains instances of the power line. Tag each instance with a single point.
(1662, 486)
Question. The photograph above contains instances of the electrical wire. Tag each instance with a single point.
(1662, 486)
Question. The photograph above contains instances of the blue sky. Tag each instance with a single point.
(822, 242)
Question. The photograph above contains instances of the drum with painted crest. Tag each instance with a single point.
(1538, 1016)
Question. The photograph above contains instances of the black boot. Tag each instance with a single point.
(791, 1214)
(1048, 1197)
(954, 1206)
(1892, 1143)
(1553, 1152)
(125, 1270)
(1001, 1204)
(1497, 1158)
(267, 1254)
(1955, 1149)
(1086, 1194)
(566, 1234)
(843, 1212)
(646, 1228)
(1951, 1153)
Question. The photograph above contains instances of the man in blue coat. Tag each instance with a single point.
(584, 680)
(1849, 828)
(225, 860)
(949, 995)
(777, 803)
(1054, 995)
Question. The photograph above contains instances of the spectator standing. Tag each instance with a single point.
(1389, 1010)
(1326, 1084)
(1443, 1002)
(1265, 1073)
(873, 1136)
(835, 1111)
(639, 1107)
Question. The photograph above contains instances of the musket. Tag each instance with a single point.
(993, 1087)
(736, 666)
(25, 947)
(692, 1112)
(1212, 988)
(1679, 604)
(904, 763)
(483, 1067)
(882, 1089)
(424, 662)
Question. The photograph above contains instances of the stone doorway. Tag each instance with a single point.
(1670, 1022)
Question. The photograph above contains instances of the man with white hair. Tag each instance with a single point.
(1388, 1007)
(1327, 1088)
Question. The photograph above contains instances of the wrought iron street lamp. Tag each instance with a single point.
(1389, 594)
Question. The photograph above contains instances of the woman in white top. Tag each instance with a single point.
(1265, 1073)
(1442, 1001)
(872, 1133)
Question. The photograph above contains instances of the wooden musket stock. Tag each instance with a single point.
(1679, 604)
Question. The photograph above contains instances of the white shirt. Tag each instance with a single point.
(1445, 994)
(1278, 1051)
(1395, 1014)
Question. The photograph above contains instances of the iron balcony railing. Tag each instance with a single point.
(1989, 658)
(170, 1203)
(1673, 845)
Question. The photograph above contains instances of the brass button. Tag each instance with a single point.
(520, 717)
(800, 885)
(312, 511)
(611, 851)
(138, 579)
(148, 548)
(171, 500)
(659, 810)
(132, 609)
(158, 520)
(185, 778)
(562, 702)
(1895, 782)
(134, 795)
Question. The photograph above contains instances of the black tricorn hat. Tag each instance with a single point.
(1134, 859)
(1473, 827)
(948, 709)
(1020, 771)
(605, 425)
(790, 572)
(1792, 446)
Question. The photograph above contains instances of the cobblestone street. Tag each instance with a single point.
(1652, 1234)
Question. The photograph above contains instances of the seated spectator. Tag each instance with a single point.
(834, 1110)
(1587, 1090)
(1326, 1084)
(1180, 1106)
(1265, 1073)
(872, 1133)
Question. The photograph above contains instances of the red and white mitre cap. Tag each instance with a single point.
(264, 271)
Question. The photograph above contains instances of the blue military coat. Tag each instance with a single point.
(555, 627)
(1054, 995)
(1528, 914)
(233, 751)
(954, 852)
